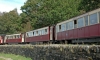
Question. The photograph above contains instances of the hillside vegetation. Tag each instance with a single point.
(41, 13)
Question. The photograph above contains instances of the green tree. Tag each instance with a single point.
(25, 22)
(10, 22)
(88, 5)
(42, 13)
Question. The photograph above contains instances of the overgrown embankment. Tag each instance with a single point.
(55, 52)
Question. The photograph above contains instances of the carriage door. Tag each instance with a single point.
(23, 37)
(52, 33)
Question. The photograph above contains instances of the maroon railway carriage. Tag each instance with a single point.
(83, 28)
(40, 35)
(14, 38)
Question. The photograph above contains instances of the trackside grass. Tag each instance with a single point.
(12, 57)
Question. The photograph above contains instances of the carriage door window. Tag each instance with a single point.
(93, 19)
(46, 31)
(75, 23)
(59, 28)
(33, 33)
(80, 22)
(86, 20)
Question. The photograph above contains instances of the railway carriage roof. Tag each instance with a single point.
(75, 18)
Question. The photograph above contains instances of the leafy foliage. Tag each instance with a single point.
(88, 5)
(10, 22)
(49, 12)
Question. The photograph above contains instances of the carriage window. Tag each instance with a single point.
(17, 36)
(63, 27)
(36, 33)
(14, 37)
(40, 33)
(93, 19)
(75, 23)
(66, 26)
(43, 32)
(59, 28)
(7, 37)
(30, 33)
(10, 37)
(80, 22)
(70, 25)
(86, 20)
